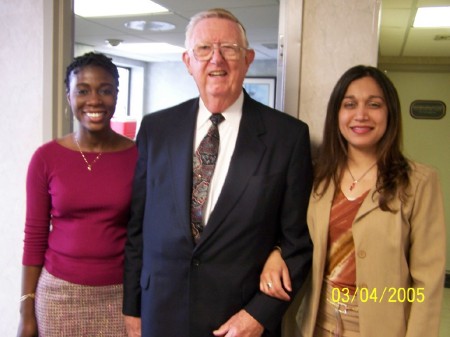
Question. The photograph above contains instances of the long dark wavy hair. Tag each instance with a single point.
(393, 167)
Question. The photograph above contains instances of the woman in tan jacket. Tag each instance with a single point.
(376, 220)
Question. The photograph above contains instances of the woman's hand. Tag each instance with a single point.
(28, 324)
(274, 279)
(27, 327)
(133, 325)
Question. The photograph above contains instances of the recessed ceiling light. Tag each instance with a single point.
(155, 26)
(103, 8)
(429, 17)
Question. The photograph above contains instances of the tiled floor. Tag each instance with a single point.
(445, 315)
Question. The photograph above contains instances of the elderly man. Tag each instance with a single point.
(220, 181)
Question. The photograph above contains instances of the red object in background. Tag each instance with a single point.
(124, 127)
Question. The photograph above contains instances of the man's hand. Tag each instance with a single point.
(133, 325)
(240, 325)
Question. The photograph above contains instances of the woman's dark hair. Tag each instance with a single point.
(91, 59)
(393, 168)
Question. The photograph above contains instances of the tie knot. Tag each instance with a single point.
(216, 119)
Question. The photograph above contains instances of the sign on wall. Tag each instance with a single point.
(423, 109)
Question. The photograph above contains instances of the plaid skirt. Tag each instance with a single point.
(64, 309)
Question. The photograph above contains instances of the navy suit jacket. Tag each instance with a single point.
(182, 289)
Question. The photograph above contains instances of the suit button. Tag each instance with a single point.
(362, 254)
(196, 262)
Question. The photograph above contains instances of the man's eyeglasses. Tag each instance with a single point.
(229, 51)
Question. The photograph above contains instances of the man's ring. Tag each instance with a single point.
(269, 284)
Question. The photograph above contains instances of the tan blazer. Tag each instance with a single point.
(394, 252)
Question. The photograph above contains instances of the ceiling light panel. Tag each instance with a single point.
(105, 8)
(432, 17)
(155, 26)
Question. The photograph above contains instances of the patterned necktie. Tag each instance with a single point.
(204, 162)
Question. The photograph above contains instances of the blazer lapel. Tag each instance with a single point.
(369, 204)
(321, 214)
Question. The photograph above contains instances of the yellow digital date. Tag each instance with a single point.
(387, 294)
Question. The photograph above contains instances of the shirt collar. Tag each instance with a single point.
(232, 113)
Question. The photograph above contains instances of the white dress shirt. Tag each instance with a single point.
(228, 131)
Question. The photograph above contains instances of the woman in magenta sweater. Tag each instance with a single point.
(78, 198)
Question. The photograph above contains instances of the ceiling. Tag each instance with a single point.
(398, 39)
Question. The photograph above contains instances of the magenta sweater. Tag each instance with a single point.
(76, 219)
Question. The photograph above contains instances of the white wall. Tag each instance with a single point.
(21, 130)
(169, 83)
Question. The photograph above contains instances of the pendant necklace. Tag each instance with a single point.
(89, 166)
(355, 181)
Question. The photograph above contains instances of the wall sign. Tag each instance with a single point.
(427, 109)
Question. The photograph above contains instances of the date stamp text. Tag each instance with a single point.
(386, 294)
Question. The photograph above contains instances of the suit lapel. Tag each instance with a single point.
(247, 155)
(180, 150)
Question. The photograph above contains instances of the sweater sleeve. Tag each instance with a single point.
(38, 201)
